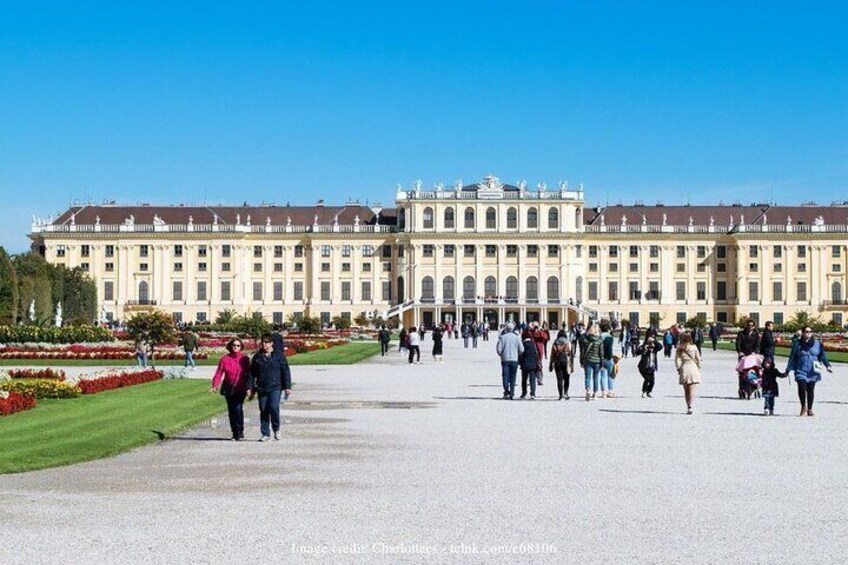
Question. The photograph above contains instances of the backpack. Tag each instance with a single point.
(561, 356)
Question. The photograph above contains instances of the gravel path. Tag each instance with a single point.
(388, 462)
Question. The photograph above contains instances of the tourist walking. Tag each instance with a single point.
(466, 334)
(404, 340)
(624, 340)
(474, 333)
(530, 367)
(188, 341)
(141, 348)
(769, 377)
(634, 340)
(270, 377)
(590, 360)
(668, 342)
(607, 375)
(807, 359)
(688, 363)
(414, 346)
(230, 379)
(562, 363)
(648, 366)
(385, 337)
(748, 340)
(767, 341)
(545, 339)
(698, 337)
(715, 333)
(509, 349)
(437, 344)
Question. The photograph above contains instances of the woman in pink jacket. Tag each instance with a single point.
(231, 381)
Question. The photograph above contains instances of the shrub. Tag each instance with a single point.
(65, 334)
(41, 388)
(11, 402)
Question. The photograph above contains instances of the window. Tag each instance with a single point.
(490, 287)
(532, 218)
(226, 250)
(777, 267)
(201, 251)
(701, 290)
(593, 251)
(468, 250)
(345, 290)
(801, 291)
(721, 252)
(144, 251)
(654, 267)
(325, 290)
(201, 290)
(837, 268)
(469, 218)
(836, 292)
(491, 251)
(85, 250)
(613, 267)
(448, 289)
(721, 267)
(387, 252)
(225, 290)
(491, 219)
(108, 290)
(836, 251)
(613, 251)
(681, 317)
(753, 251)
(469, 289)
(778, 252)
(278, 291)
(367, 250)
(511, 218)
(449, 218)
(680, 290)
(366, 291)
(777, 290)
(553, 250)
(681, 267)
(326, 251)
(701, 268)
(387, 291)
(450, 251)
(653, 290)
(837, 319)
(178, 317)
(778, 318)
(532, 289)
(427, 250)
(325, 267)
(578, 251)
(278, 267)
(84, 266)
(428, 291)
(387, 266)
(257, 267)
(593, 267)
(257, 290)
(681, 251)
(257, 251)
(553, 218)
(298, 290)
(110, 267)
(721, 317)
(532, 250)
(512, 251)
(177, 291)
(802, 252)
(633, 267)
(143, 266)
(753, 267)
(277, 318)
(110, 251)
(366, 267)
(802, 267)
(593, 290)
(298, 267)
(634, 290)
(428, 218)
(298, 251)
(613, 290)
(753, 291)
(553, 288)
(345, 267)
(511, 288)
(178, 267)
(325, 318)
(702, 251)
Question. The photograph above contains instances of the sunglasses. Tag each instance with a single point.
(237, 345)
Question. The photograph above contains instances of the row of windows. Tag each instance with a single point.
(491, 217)
(201, 294)
(227, 250)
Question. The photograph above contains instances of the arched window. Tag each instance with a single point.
(449, 218)
(578, 289)
(448, 288)
(143, 292)
(836, 292)
(469, 290)
(427, 291)
(469, 218)
(401, 290)
(402, 219)
(553, 288)
(428, 218)
(532, 218)
(512, 218)
(578, 218)
(490, 287)
(511, 287)
(553, 218)
(491, 219)
(532, 288)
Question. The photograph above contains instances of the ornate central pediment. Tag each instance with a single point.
(490, 188)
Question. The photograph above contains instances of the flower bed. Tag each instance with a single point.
(829, 344)
(12, 402)
(41, 388)
(85, 351)
(67, 334)
(111, 381)
(47, 373)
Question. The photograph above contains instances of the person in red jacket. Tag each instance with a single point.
(230, 380)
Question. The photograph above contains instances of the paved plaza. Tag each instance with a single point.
(388, 462)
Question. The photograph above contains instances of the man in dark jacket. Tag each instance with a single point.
(748, 340)
(270, 376)
(698, 337)
(715, 333)
(767, 342)
(384, 337)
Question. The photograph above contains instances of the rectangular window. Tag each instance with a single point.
(143, 251)
(345, 267)
(701, 289)
(721, 267)
(553, 250)
(593, 290)
(681, 317)
(702, 268)
(702, 251)
(143, 266)
(178, 267)
(257, 251)
(298, 290)
(753, 251)
(721, 317)
(753, 267)
(681, 267)
(278, 251)
(366, 291)
(84, 266)
(366, 267)
(225, 267)
(85, 250)
(634, 250)
(201, 290)
(298, 251)
(778, 318)
(633, 267)
(257, 267)
(400, 251)
(778, 251)
(802, 267)
(367, 250)
(802, 252)
(387, 291)
(491, 251)
(593, 267)
(653, 290)
(110, 251)
(110, 267)
(201, 251)
(837, 268)
(578, 251)
(278, 267)
(778, 267)
(613, 251)
(226, 250)
(613, 267)
(427, 250)
(325, 290)
(512, 251)
(681, 251)
(680, 290)
(108, 290)
(836, 251)
(345, 290)
(298, 267)
(177, 291)
(777, 290)
(387, 252)
(387, 266)
(613, 290)
(325, 267)
(753, 291)
(257, 291)
(593, 251)
(277, 318)
(326, 251)
(532, 250)
(346, 250)
(325, 319)
(633, 288)
(469, 251)
(450, 251)
(721, 251)
(226, 293)
(654, 268)
(278, 291)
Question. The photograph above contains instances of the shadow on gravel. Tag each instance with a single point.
(485, 386)
(751, 414)
(469, 398)
(641, 412)
(830, 402)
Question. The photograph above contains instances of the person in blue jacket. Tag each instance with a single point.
(270, 377)
(806, 359)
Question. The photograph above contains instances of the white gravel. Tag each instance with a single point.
(386, 462)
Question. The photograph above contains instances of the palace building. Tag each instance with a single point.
(484, 251)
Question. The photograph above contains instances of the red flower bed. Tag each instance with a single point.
(14, 402)
(118, 380)
(47, 373)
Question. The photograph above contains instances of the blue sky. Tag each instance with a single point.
(171, 102)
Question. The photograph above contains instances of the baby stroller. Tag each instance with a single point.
(749, 370)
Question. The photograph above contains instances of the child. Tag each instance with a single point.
(529, 363)
(770, 389)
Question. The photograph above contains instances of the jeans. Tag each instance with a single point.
(384, 348)
(474, 341)
(768, 398)
(269, 411)
(235, 410)
(465, 339)
(189, 359)
(508, 371)
(607, 380)
(563, 380)
(592, 371)
(414, 351)
(625, 348)
(528, 375)
(141, 359)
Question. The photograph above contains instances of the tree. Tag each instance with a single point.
(79, 298)
(251, 326)
(155, 328)
(696, 322)
(35, 283)
(362, 320)
(341, 322)
(310, 325)
(226, 316)
(8, 290)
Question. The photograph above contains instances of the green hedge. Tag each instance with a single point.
(68, 334)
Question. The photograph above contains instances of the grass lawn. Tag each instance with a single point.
(832, 356)
(61, 432)
(348, 354)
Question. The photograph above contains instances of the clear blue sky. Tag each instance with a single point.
(175, 102)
